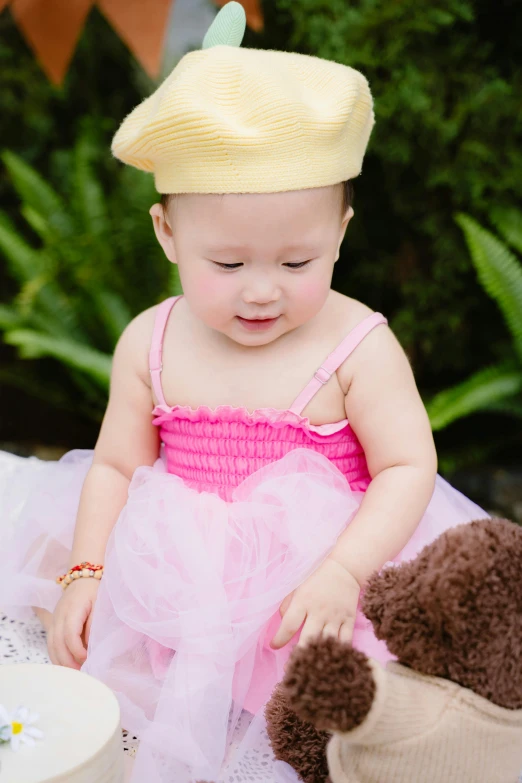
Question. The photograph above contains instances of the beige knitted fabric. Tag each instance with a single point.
(233, 120)
(427, 729)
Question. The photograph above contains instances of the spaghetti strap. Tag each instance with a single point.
(335, 359)
(156, 346)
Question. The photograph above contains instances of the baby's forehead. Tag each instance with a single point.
(292, 203)
(223, 227)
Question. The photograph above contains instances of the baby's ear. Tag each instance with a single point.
(163, 231)
(344, 225)
(349, 215)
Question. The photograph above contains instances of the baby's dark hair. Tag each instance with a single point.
(346, 204)
(348, 194)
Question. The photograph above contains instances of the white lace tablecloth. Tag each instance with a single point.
(24, 642)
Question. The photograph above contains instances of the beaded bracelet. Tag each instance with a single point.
(77, 571)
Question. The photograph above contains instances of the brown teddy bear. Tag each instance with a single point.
(450, 708)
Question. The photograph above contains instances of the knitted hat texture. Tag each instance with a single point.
(237, 120)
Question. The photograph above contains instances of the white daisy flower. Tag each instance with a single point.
(18, 727)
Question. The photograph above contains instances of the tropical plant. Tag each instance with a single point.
(446, 79)
(497, 388)
(96, 265)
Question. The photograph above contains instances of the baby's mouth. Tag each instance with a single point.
(257, 324)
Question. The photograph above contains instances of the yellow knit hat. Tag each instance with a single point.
(232, 120)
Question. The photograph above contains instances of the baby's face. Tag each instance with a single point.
(254, 266)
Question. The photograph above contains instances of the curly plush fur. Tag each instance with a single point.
(296, 741)
(455, 611)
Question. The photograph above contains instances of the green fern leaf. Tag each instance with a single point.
(44, 297)
(32, 345)
(486, 388)
(499, 272)
(37, 193)
(88, 192)
(9, 318)
(508, 223)
(33, 269)
(113, 312)
(228, 28)
(24, 262)
(39, 225)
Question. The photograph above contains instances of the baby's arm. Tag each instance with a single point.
(384, 409)
(386, 412)
(127, 440)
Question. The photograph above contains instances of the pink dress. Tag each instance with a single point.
(240, 508)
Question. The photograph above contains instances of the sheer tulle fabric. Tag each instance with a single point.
(192, 573)
(38, 506)
(190, 596)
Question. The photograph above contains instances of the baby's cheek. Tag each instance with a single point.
(202, 287)
(311, 294)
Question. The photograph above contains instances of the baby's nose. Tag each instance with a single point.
(261, 292)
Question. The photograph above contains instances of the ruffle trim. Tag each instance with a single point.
(228, 413)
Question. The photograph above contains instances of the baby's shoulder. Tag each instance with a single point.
(134, 343)
(346, 310)
(347, 313)
(374, 347)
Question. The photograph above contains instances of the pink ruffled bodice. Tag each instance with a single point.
(214, 450)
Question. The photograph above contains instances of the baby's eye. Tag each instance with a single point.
(227, 266)
(297, 264)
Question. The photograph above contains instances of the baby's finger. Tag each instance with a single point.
(346, 632)
(73, 640)
(87, 632)
(332, 629)
(292, 621)
(63, 655)
(311, 630)
(73, 630)
(286, 603)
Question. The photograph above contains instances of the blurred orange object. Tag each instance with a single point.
(52, 28)
(142, 24)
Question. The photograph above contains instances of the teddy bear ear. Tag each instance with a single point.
(378, 594)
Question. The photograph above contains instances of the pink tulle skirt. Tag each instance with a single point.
(190, 596)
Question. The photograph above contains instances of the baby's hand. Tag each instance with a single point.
(326, 603)
(68, 635)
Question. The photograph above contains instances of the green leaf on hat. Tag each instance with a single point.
(228, 28)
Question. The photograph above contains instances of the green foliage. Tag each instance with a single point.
(102, 85)
(96, 264)
(483, 391)
(499, 272)
(498, 388)
(446, 79)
